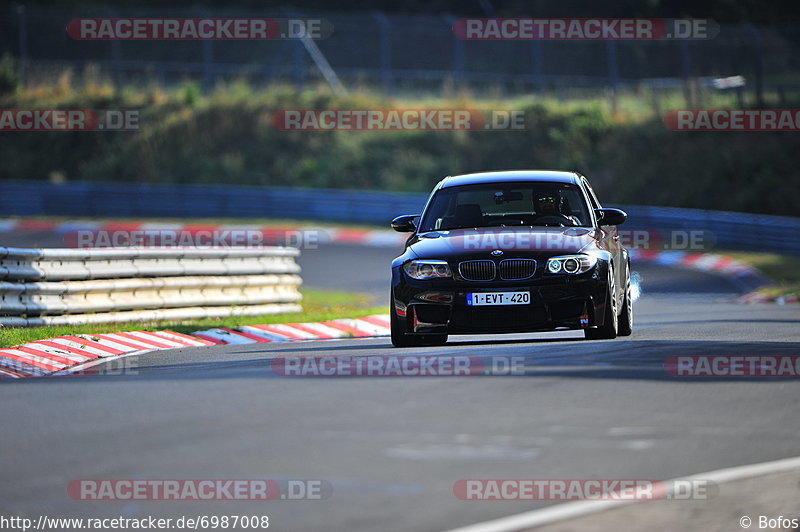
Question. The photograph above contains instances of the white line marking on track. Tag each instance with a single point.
(571, 510)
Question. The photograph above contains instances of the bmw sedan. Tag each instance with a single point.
(510, 252)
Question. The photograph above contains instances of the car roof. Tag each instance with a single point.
(547, 176)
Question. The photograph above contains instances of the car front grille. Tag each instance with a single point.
(498, 318)
(516, 269)
(477, 270)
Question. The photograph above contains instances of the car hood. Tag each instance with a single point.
(512, 242)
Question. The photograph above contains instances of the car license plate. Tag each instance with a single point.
(498, 298)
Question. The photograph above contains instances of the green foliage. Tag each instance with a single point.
(9, 75)
(190, 94)
(228, 137)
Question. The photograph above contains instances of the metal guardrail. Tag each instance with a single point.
(65, 286)
(730, 230)
(141, 200)
(107, 263)
(722, 229)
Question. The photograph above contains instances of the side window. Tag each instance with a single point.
(592, 197)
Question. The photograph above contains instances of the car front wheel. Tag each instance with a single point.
(402, 339)
(608, 330)
(625, 327)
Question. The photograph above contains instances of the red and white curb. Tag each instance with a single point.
(366, 327)
(45, 357)
(743, 274)
(269, 233)
(65, 354)
(779, 299)
(699, 261)
(746, 276)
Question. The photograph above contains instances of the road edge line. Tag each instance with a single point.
(571, 510)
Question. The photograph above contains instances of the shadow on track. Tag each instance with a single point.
(571, 358)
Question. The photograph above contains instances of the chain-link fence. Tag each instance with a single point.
(397, 52)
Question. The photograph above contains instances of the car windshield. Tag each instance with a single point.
(506, 204)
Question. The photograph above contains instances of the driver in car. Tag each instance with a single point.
(548, 210)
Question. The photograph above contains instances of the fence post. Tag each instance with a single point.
(116, 55)
(655, 99)
(613, 73)
(385, 29)
(613, 63)
(537, 60)
(458, 58)
(298, 55)
(271, 68)
(686, 70)
(22, 21)
(458, 50)
(208, 56)
(758, 52)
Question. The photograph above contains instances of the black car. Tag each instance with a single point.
(510, 252)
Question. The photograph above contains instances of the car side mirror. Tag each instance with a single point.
(405, 223)
(610, 216)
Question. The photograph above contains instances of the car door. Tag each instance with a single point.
(609, 240)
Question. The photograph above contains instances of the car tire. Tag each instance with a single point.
(607, 331)
(402, 339)
(625, 325)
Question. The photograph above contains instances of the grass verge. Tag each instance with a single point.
(318, 305)
(783, 270)
(180, 126)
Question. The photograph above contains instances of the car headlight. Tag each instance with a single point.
(427, 269)
(571, 264)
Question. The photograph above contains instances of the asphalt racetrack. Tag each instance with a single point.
(392, 448)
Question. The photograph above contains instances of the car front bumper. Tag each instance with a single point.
(440, 306)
